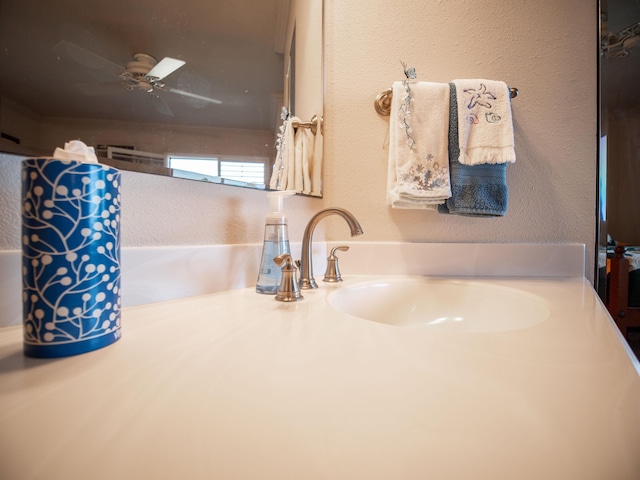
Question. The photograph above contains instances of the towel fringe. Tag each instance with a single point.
(490, 156)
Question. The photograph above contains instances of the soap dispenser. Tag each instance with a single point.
(276, 243)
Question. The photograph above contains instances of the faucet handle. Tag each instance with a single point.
(332, 273)
(288, 290)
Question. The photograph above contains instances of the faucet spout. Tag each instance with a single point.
(306, 263)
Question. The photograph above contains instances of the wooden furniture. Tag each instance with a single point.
(624, 315)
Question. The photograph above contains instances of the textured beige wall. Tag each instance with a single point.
(548, 51)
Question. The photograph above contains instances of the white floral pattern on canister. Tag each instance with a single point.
(71, 256)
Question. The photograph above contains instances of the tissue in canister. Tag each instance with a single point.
(71, 256)
(76, 150)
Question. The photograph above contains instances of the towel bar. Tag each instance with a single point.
(382, 103)
(312, 124)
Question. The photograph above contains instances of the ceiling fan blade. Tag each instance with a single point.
(161, 106)
(88, 59)
(165, 67)
(93, 89)
(195, 96)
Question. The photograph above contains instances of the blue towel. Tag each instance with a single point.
(476, 190)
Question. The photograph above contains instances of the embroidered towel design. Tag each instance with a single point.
(485, 125)
(418, 168)
(291, 166)
(476, 190)
(285, 157)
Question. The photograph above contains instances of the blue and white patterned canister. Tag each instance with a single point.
(71, 256)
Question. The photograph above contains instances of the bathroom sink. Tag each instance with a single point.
(441, 304)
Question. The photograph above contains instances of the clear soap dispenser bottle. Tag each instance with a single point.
(276, 242)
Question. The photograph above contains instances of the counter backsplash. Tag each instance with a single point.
(154, 274)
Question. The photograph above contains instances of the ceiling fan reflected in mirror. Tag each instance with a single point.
(144, 73)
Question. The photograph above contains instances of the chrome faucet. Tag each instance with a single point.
(306, 264)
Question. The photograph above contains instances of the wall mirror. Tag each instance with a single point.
(192, 89)
(619, 152)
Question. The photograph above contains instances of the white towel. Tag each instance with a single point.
(315, 168)
(290, 154)
(285, 157)
(305, 146)
(418, 170)
(485, 125)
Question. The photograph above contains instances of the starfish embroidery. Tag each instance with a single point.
(480, 96)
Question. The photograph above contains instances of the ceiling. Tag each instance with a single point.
(232, 49)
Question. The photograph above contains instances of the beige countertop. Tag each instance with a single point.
(235, 385)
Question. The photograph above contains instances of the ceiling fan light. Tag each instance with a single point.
(146, 86)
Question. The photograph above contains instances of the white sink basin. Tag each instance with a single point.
(441, 304)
